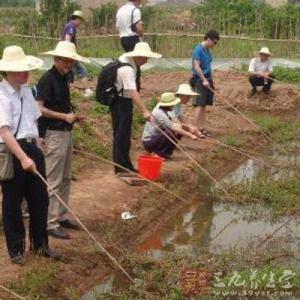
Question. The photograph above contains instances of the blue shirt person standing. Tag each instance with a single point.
(69, 34)
(202, 78)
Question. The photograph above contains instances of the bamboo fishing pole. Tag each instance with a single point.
(116, 263)
(12, 293)
(181, 147)
(241, 151)
(161, 187)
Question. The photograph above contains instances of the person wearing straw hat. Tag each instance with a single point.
(18, 131)
(154, 140)
(70, 34)
(185, 94)
(260, 71)
(53, 95)
(122, 106)
(202, 78)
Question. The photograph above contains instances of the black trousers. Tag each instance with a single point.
(27, 186)
(260, 81)
(121, 112)
(128, 43)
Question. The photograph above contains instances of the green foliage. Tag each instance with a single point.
(104, 15)
(11, 3)
(282, 197)
(287, 74)
(232, 140)
(36, 279)
(248, 17)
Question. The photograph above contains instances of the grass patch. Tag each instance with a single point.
(233, 140)
(287, 74)
(282, 197)
(36, 280)
(280, 130)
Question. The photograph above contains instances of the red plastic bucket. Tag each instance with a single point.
(149, 166)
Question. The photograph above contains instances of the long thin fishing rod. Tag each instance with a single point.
(190, 157)
(241, 151)
(133, 173)
(275, 231)
(117, 264)
(239, 112)
(223, 229)
(12, 293)
(248, 120)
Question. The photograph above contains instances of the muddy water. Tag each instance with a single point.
(215, 227)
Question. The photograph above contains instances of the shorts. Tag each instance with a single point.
(206, 96)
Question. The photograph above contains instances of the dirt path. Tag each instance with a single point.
(99, 196)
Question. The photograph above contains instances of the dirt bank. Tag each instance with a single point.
(98, 197)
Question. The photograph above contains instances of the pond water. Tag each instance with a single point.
(215, 227)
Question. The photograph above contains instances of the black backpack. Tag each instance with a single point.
(106, 91)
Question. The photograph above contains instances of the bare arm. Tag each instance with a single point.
(136, 98)
(180, 130)
(51, 114)
(197, 64)
(140, 29)
(12, 144)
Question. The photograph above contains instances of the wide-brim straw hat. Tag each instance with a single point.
(265, 50)
(168, 99)
(79, 14)
(15, 60)
(185, 89)
(68, 50)
(143, 49)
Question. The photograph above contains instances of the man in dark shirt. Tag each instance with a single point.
(53, 95)
(69, 34)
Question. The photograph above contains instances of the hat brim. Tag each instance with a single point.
(187, 94)
(148, 54)
(173, 103)
(266, 53)
(66, 55)
(30, 63)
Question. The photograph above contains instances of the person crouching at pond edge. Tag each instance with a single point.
(185, 94)
(260, 71)
(154, 140)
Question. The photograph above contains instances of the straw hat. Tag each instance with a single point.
(185, 89)
(68, 50)
(142, 49)
(15, 60)
(265, 50)
(168, 99)
(79, 14)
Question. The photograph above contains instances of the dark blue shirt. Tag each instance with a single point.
(71, 30)
(204, 56)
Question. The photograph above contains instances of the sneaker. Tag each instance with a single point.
(88, 92)
(267, 92)
(58, 233)
(69, 225)
(46, 252)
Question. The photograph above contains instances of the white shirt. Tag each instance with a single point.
(126, 77)
(127, 15)
(10, 111)
(256, 65)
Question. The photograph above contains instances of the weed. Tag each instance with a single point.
(36, 279)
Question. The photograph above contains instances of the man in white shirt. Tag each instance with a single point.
(129, 24)
(122, 107)
(18, 131)
(260, 71)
